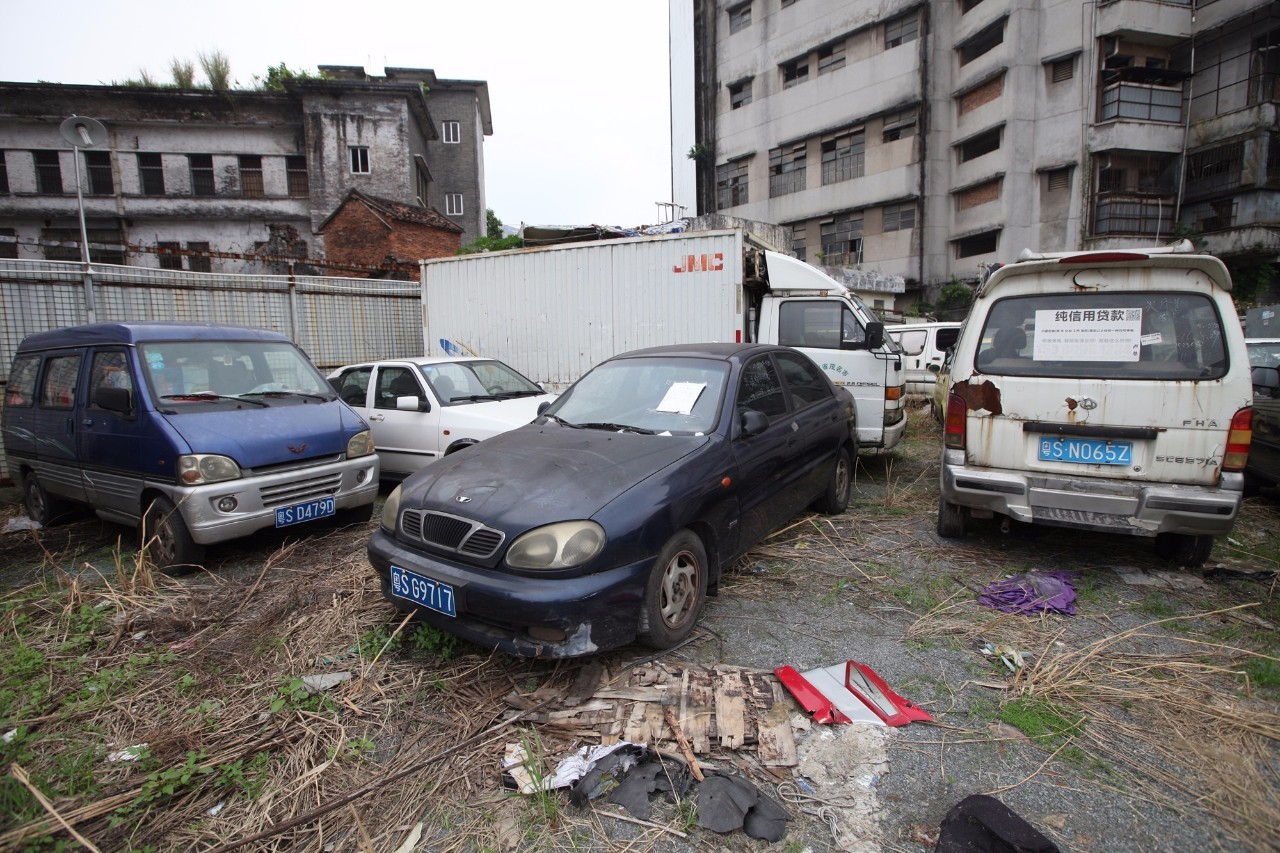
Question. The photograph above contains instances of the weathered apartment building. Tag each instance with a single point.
(927, 139)
(367, 170)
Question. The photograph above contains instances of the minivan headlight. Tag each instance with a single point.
(361, 444)
(196, 469)
(562, 545)
(391, 510)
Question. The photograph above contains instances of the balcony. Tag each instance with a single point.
(1144, 215)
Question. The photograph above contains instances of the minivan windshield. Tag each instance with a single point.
(1104, 336)
(193, 372)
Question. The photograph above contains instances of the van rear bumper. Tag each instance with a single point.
(1094, 503)
(351, 482)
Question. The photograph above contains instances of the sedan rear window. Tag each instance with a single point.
(1104, 336)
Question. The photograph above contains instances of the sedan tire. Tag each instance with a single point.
(675, 593)
(839, 486)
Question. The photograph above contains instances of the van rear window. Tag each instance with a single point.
(1104, 336)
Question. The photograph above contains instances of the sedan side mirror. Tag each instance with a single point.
(754, 422)
(413, 404)
(542, 407)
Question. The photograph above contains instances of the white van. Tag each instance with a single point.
(1104, 391)
(924, 347)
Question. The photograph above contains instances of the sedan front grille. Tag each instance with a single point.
(451, 532)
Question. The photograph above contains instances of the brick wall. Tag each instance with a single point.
(984, 94)
(356, 236)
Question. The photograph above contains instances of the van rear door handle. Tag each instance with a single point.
(87, 422)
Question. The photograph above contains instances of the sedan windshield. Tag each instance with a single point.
(191, 372)
(649, 395)
(476, 381)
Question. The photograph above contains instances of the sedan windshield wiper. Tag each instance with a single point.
(283, 394)
(563, 422)
(506, 395)
(209, 395)
(619, 428)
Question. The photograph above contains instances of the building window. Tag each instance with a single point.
(795, 72)
(1264, 68)
(48, 173)
(983, 143)
(981, 95)
(739, 18)
(899, 126)
(1213, 215)
(786, 170)
(1062, 70)
(1058, 180)
(251, 175)
(967, 6)
(9, 245)
(198, 262)
(151, 174)
(901, 30)
(451, 132)
(798, 244)
(1142, 102)
(731, 184)
(201, 173)
(984, 41)
(831, 57)
(4, 174)
(843, 156)
(453, 204)
(421, 180)
(842, 240)
(295, 170)
(359, 159)
(978, 244)
(105, 244)
(900, 217)
(739, 94)
(97, 165)
(172, 259)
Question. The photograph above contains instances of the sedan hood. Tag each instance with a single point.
(540, 474)
(490, 417)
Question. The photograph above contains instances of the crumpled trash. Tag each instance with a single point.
(129, 753)
(726, 803)
(20, 522)
(318, 683)
(1034, 592)
(1008, 655)
(982, 824)
(669, 778)
(582, 762)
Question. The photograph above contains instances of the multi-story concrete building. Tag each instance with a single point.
(928, 139)
(217, 180)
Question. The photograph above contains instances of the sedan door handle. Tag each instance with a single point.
(88, 422)
(377, 417)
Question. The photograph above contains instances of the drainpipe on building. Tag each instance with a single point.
(293, 307)
(1186, 121)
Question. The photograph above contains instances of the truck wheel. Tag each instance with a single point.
(839, 486)
(1184, 549)
(43, 508)
(675, 592)
(164, 536)
(953, 520)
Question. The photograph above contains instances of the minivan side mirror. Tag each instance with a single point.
(117, 400)
(754, 422)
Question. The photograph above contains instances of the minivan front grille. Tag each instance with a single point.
(451, 533)
(301, 489)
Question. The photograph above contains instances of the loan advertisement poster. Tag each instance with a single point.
(1096, 334)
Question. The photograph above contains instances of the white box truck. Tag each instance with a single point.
(555, 312)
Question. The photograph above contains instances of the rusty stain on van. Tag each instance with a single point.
(978, 397)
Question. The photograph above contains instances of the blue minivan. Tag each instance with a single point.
(193, 433)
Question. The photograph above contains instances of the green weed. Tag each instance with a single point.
(248, 779)
(292, 693)
(1039, 720)
(429, 639)
(1158, 606)
(1263, 672)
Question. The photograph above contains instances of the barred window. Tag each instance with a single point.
(295, 169)
(48, 173)
(786, 170)
(172, 259)
(901, 30)
(731, 184)
(199, 262)
(201, 166)
(151, 174)
(843, 156)
(97, 166)
(251, 175)
(900, 217)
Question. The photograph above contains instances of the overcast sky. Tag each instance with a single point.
(578, 88)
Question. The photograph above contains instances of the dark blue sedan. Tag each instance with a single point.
(611, 517)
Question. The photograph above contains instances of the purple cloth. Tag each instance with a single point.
(1037, 592)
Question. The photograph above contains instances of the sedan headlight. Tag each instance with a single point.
(391, 511)
(196, 469)
(562, 545)
(361, 444)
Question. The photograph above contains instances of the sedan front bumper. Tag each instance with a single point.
(497, 610)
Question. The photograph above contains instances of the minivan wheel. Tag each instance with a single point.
(953, 520)
(839, 486)
(1184, 549)
(43, 508)
(165, 537)
(675, 592)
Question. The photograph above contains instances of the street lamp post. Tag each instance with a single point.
(84, 132)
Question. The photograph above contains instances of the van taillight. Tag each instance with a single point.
(1238, 441)
(954, 426)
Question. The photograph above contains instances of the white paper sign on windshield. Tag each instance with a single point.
(1096, 334)
(681, 397)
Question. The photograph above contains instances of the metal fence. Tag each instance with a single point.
(336, 321)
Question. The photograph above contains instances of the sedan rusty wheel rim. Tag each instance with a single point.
(679, 588)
